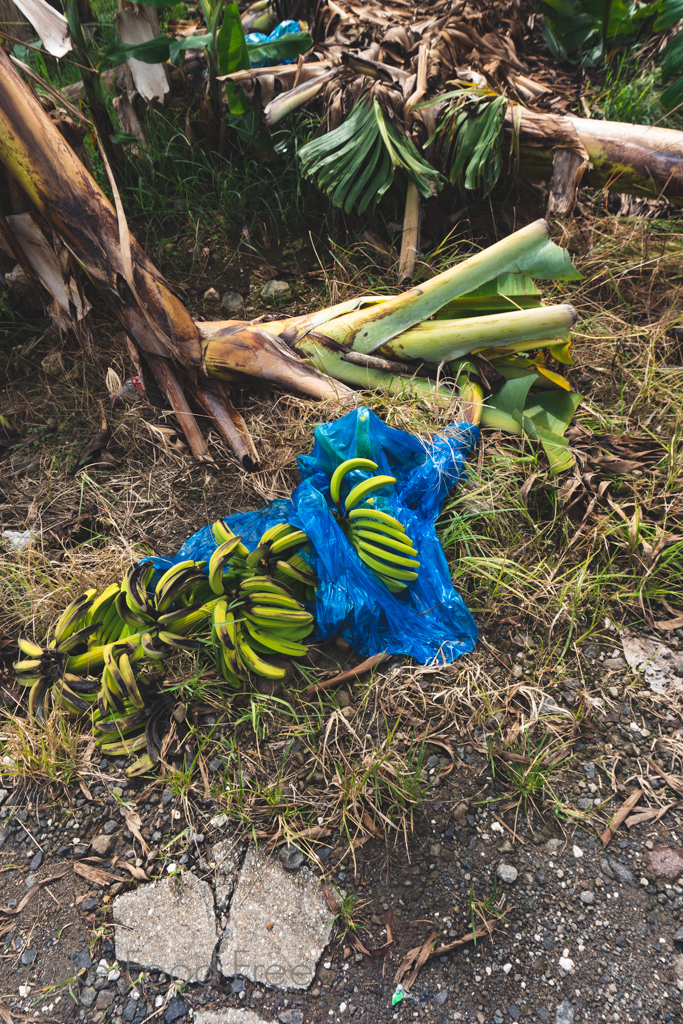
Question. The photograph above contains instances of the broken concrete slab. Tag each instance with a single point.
(279, 925)
(168, 926)
(227, 857)
(229, 1015)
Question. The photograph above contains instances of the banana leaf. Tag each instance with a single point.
(544, 416)
(355, 163)
(501, 295)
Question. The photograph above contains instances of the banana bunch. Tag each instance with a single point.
(276, 555)
(132, 716)
(379, 539)
(263, 621)
(51, 672)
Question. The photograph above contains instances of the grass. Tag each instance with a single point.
(542, 564)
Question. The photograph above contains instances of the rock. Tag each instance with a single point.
(3, 796)
(678, 668)
(87, 997)
(460, 810)
(110, 826)
(678, 939)
(291, 858)
(232, 302)
(104, 845)
(168, 926)
(441, 996)
(30, 881)
(587, 898)
(53, 363)
(554, 846)
(279, 925)
(227, 855)
(176, 1010)
(617, 664)
(28, 956)
(507, 873)
(36, 862)
(592, 651)
(130, 1010)
(227, 1016)
(664, 862)
(83, 960)
(291, 1017)
(620, 872)
(514, 1011)
(567, 964)
(211, 295)
(577, 851)
(275, 291)
(105, 997)
(564, 1013)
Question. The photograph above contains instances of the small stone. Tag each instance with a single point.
(291, 858)
(514, 1011)
(110, 826)
(592, 651)
(105, 997)
(587, 898)
(554, 846)
(36, 862)
(567, 964)
(232, 302)
(83, 960)
(3, 796)
(678, 939)
(441, 996)
(564, 1013)
(620, 872)
(678, 668)
(211, 295)
(507, 873)
(664, 862)
(130, 1010)
(53, 363)
(104, 845)
(176, 1010)
(275, 291)
(577, 851)
(88, 997)
(28, 956)
(291, 1017)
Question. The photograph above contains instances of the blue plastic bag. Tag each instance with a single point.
(427, 621)
(283, 29)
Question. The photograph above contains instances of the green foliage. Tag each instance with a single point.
(470, 138)
(587, 32)
(355, 164)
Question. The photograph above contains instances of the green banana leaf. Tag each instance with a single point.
(233, 55)
(355, 163)
(544, 416)
(503, 294)
(287, 47)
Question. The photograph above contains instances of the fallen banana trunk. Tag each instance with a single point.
(642, 160)
(41, 163)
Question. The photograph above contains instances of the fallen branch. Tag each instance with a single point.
(620, 816)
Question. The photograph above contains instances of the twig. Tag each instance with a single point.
(620, 815)
(350, 673)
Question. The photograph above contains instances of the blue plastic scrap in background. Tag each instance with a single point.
(427, 621)
(283, 29)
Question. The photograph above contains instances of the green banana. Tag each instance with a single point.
(279, 645)
(293, 540)
(362, 490)
(376, 513)
(72, 616)
(223, 533)
(389, 556)
(341, 471)
(30, 648)
(219, 559)
(404, 545)
(382, 569)
(255, 663)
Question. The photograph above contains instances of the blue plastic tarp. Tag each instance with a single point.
(428, 621)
